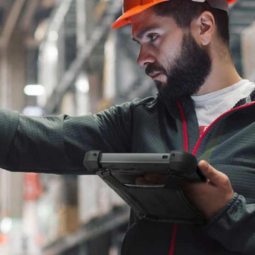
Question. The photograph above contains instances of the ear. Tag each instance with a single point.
(203, 28)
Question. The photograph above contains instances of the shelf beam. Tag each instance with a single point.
(92, 230)
(100, 31)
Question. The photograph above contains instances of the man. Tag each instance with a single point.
(184, 48)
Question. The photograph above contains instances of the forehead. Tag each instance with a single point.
(148, 19)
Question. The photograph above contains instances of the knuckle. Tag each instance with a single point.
(225, 181)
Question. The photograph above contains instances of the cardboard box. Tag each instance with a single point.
(68, 220)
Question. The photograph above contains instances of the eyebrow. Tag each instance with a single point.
(143, 32)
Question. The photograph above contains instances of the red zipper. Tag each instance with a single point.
(186, 147)
(205, 132)
(173, 239)
(184, 125)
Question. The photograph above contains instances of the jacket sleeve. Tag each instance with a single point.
(234, 226)
(57, 144)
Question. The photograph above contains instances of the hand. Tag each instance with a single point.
(208, 197)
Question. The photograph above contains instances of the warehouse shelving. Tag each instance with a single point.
(114, 219)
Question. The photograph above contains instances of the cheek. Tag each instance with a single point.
(172, 45)
(168, 51)
(167, 58)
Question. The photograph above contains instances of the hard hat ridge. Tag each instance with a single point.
(127, 5)
(134, 7)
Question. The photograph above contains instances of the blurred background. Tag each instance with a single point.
(60, 56)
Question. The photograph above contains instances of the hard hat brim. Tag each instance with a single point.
(125, 18)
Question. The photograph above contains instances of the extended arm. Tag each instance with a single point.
(57, 144)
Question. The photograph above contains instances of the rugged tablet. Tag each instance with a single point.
(160, 202)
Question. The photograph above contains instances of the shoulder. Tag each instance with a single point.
(128, 109)
(147, 103)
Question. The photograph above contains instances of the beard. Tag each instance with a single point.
(186, 74)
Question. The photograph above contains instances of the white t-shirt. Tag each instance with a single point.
(210, 106)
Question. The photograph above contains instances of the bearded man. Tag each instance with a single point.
(203, 106)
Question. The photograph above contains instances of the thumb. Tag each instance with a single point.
(210, 173)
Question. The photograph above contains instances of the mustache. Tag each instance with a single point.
(154, 68)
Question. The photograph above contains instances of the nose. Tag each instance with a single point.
(145, 57)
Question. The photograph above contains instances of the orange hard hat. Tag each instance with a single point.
(133, 7)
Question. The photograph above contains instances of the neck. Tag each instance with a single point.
(223, 75)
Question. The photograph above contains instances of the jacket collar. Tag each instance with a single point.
(246, 100)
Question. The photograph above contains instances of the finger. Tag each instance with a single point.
(142, 181)
(156, 178)
(216, 177)
(148, 180)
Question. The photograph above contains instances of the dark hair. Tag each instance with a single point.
(184, 11)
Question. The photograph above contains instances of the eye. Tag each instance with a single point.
(152, 37)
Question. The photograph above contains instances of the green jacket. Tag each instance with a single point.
(57, 144)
